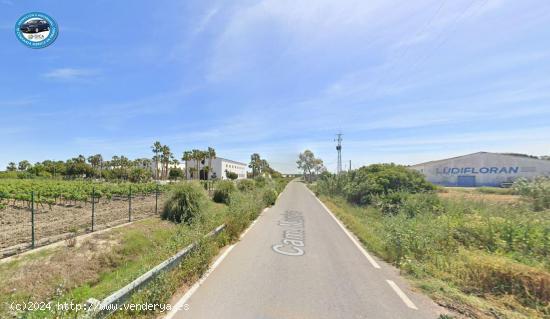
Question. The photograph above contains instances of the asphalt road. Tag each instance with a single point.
(297, 262)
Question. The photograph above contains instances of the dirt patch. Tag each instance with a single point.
(50, 222)
(63, 268)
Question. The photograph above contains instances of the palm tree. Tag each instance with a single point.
(96, 161)
(165, 156)
(187, 156)
(196, 154)
(156, 150)
(192, 170)
(203, 157)
(211, 155)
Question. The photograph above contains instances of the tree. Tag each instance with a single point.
(115, 162)
(11, 167)
(211, 155)
(77, 167)
(142, 162)
(166, 157)
(175, 173)
(264, 167)
(203, 155)
(318, 166)
(97, 162)
(309, 164)
(139, 175)
(199, 157)
(157, 148)
(192, 171)
(79, 159)
(255, 164)
(187, 156)
(24, 165)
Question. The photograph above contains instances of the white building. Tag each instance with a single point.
(220, 167)
(158, 167)
(483, 169)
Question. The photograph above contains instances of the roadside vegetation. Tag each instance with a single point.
(482, 258)
(99, 265)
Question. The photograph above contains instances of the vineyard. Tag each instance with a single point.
(53, 192)
(46, 210)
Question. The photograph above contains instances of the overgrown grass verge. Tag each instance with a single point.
(483, 260)
(102, 264)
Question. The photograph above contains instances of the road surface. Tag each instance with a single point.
(297, 262)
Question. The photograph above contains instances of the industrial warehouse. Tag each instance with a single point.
(483, 169)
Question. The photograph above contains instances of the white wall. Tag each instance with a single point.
(488, 169)
(220, 165)
(238, 168)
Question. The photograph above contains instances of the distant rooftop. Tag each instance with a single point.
(525, 156)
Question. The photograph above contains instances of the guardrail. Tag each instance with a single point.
(105, 307)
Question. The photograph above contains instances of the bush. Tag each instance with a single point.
(231, 175)
(260, 181)
(243, 208)
(280, 184)
(223, 191)
(390, 203)
(270, 196)
(245, 185)
(537, 192)
(362, 186)
(176, 173)
(140, 175)
(185, 203)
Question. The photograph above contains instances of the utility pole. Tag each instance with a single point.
(339, 150)
(350, 165)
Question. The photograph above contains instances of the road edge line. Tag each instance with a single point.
(351, 237)
(401, 294)
(179, 305)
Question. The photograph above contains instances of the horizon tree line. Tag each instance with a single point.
(162, 165)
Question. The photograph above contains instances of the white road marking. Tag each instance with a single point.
(181, 303)
(401, 295)
(351, 237)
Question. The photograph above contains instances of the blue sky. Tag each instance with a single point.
(405, 81)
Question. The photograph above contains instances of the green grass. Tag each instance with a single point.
(495, 190)
(107, 262)
(485, 260)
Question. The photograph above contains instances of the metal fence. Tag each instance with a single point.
(29, 224)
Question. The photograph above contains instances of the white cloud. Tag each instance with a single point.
(317, 28)
(70, 73)
(206, 19)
